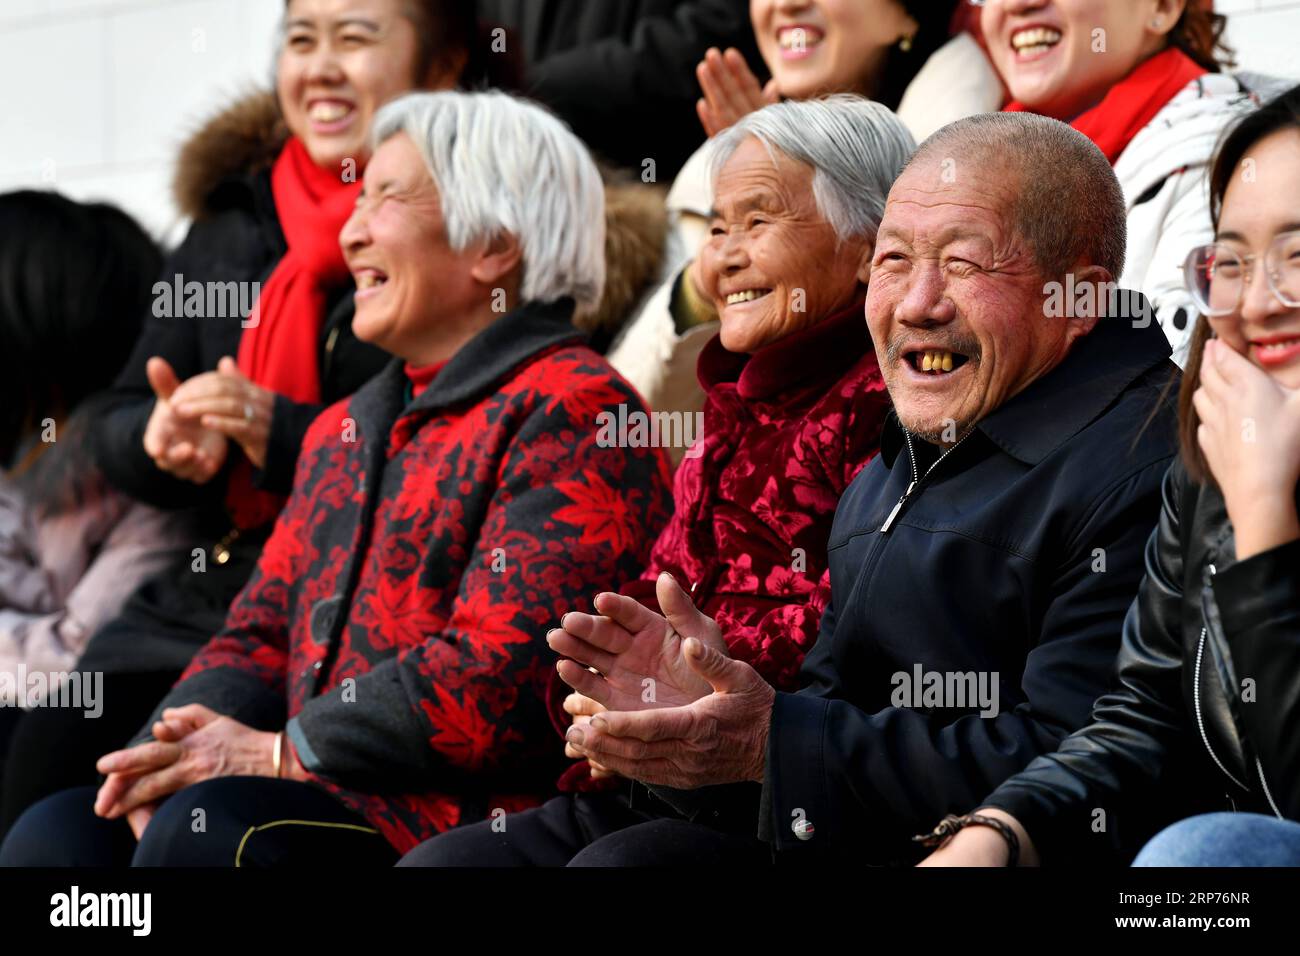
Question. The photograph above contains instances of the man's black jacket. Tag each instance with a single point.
(622, 72)
(1019, 555)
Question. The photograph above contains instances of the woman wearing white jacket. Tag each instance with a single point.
(1142, 79)
(897, 52)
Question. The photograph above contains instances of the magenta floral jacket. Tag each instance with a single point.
(785, 432)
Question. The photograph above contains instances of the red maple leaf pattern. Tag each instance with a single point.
(459, 730)
(485, 520)
(599, 511)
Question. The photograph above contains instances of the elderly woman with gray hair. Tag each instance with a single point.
(384, 674)
(794, 405)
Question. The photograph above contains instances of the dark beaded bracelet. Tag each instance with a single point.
(950, 825)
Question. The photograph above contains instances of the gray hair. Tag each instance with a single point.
(855, 147)
(504, 165)
(1069, 205)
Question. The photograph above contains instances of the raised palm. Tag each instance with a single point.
(639, 656)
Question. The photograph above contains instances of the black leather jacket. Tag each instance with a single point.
(1207, 708)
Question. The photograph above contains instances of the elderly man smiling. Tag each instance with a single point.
(996, 541)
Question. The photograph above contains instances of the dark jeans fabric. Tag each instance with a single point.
(54, 749)
(229, 821)
(588, 830)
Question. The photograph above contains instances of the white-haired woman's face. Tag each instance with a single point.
(341, 61)
(1060, 57)
(414, 292)
(814, 47)
(772, 265)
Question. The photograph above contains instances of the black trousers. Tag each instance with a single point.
(229, 821)
(54, 749)
(10, 718)
(588, 830)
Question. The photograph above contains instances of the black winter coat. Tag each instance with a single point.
(236, 237)
(1205, 715)
(622, 72)
(1012, 560)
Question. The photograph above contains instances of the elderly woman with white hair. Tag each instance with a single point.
(384, 674)
(794, 405)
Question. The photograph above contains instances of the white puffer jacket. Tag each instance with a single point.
(1164, 173)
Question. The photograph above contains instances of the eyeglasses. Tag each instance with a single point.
(1217, 275)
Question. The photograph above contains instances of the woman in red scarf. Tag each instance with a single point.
(1143, 80)
(212, 406)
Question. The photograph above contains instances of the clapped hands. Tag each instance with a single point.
(678, 710)
(193, 422)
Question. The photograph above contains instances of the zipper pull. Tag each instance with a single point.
(884, 528)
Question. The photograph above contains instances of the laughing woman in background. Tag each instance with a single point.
(1155, 103)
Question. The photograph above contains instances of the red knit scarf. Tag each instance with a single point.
(278, 349)
(1133, 102)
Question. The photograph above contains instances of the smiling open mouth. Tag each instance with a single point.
(798, 38)
(329, 112)
(749, 295)
(370, 279)
(936, 361)
(1034, 41)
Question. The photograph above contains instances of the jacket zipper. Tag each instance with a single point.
(1200, 723)
(1200, 720)
(1196, 697)
(911, 454)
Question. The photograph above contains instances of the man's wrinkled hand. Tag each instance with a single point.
(719, 738)
(636, 654)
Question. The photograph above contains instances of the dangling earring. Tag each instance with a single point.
(905, 44)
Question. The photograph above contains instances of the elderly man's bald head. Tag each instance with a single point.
(990, 214)
(1068, 205)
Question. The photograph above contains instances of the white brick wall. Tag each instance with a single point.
(101, 92)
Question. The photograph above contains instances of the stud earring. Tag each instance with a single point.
(905, 44)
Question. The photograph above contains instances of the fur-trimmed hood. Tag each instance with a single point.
(246, 137)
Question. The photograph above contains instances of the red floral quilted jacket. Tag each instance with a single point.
(398, 612)
(785, 432)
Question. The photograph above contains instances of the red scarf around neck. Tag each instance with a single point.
(1133, 102)
(278, 348)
